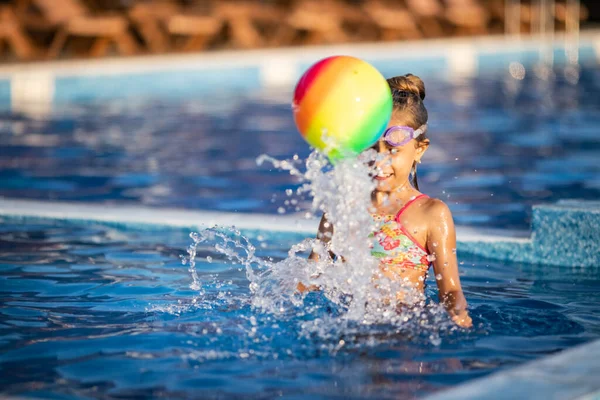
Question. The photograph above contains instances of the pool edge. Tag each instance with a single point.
(140, 216)
(569, 374)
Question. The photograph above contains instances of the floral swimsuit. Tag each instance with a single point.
(394, 245)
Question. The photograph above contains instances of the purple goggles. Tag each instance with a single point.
(399, 135)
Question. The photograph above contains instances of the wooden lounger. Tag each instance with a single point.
(72, 18)
(12, 33)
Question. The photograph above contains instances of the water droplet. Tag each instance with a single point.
(434, 244)
(517, 70)
(454, 251)
(281, 210)
(438, 277)
(431, 257)
(209, 259)
(445, 264)
(289, 192)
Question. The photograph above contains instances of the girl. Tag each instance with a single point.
(413, 229)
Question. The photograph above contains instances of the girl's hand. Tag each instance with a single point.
(463, 320)
(301, 287)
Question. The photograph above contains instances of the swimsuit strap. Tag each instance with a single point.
(408, 204)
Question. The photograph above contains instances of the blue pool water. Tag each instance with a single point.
(95, 312)
(499, 145)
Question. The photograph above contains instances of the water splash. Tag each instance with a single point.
(354, 291)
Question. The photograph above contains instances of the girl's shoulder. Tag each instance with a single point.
(436, 211)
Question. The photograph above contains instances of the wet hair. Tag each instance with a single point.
(408, 93)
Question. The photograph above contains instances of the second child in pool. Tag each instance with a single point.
(415, 231)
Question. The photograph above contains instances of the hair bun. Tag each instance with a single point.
(408, 83)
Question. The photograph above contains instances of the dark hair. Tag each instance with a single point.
(408, 93)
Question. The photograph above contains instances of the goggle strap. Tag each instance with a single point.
(421, 131)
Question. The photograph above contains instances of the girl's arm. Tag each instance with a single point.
(441, 242)
(324, 235)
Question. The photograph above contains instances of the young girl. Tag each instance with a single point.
(414, 229)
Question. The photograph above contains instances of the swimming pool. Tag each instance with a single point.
(95, 311)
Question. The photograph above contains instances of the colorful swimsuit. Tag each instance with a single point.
(395, 246)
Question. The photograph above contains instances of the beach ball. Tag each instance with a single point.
(342, 106)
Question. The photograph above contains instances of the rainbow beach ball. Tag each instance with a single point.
(342, 105)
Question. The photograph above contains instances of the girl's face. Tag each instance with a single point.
(395, 163)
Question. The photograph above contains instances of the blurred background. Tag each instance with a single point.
(49, 29)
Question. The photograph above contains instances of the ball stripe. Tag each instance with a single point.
(316, 90)
(307, 79)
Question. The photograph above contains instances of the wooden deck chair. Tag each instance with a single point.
(429, 16)
(13, 34)
(252, 24)
(197, 26)
(467, 17)
(565, 15)
(72, 18)
(150, 19)
(355, 22)
(319, 20)
(394, 21)
(498, 23)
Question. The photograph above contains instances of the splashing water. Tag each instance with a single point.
(351, 282)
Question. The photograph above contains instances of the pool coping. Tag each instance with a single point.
(153, 217)
(570, 374)
(562, 234)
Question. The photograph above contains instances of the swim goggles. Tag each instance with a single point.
(399, 135)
